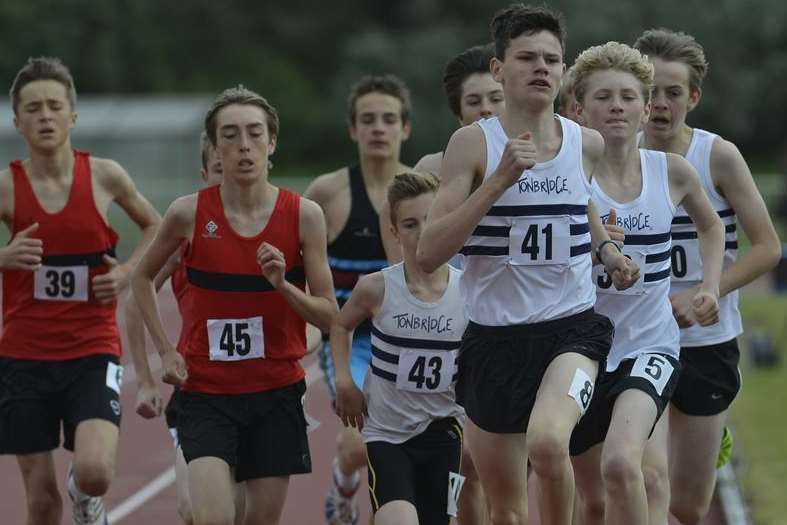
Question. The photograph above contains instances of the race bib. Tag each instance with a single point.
(686, 261)
(236, 339)
(61, 283)
(603, 281)
(425, 371)
(655, 368)
(540, 240)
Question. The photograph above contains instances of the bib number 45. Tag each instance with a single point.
(236, 339)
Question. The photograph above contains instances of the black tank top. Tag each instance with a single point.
(358, 249)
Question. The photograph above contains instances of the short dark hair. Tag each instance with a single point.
(675, 46)
(409, 185)
(469, 62)
(43, 68)
(244, 97)
(519, 19)
(387, 85)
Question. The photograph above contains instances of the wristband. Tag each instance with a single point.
(601, 247)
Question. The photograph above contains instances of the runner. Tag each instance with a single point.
(60, 347)
(241, 413)
(407, 411)
(710, 379)
(526, 238)
(351, 197)
(641, 189)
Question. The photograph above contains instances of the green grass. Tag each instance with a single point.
(758, 416)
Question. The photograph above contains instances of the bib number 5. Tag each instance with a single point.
(236, 339)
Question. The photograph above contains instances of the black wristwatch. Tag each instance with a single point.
(601, 247)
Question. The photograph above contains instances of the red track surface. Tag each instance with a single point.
(145, 451)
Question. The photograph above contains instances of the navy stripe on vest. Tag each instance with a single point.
(383, 373)
(406, 342)
(731, 245)
(238, 282)
(684, 219)
(484, 250)
(580, 249)
(382, 355)
(682, 236)
(656, 276)
(537, 209)
(91, 260)
(657, 257)
(644, 240)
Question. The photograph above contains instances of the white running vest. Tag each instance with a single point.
(642, 314)
(686, 262)
(413, 366)
(528, 260)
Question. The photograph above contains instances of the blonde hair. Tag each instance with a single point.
(409, 185)
(566, 91)
(615, 56)
(675, 46)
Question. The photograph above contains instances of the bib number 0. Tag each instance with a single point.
(540, 240)
(236, 339)
(686, 262)
(425, 371)
(61, 283)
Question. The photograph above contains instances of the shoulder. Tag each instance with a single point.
(679, 169)
(6, 180)
(592, 143)
(430, 163)
(724, 155)
(183, 209)
(370, 288)
(310, 212)
(325, 186)
(110, 174)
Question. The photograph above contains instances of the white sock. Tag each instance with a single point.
(347, 483)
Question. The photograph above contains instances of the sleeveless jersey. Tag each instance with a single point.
(52, 314)
(241, 336)
(686, 262)
(641, 314)
(413, 367)
(528, 260)
(358, 249)
(179, 283)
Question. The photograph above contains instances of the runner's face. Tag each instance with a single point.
(243, 144)
(410, 220)
(214, 174)
(531, 69)
(378, 128)
(44, 116)
(672, 99)
(482, 97)
(613, 104)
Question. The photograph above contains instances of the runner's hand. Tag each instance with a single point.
(148, 401)
(272, 262)
(682, 309)
(175, 372)
(107, 286)
(705, 307)
(519, 155)
(616, 233)
(350, 404)
(23, 252)
(624, 271)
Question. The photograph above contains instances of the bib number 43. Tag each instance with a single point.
(425, 371)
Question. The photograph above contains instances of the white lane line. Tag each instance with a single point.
(167, 478)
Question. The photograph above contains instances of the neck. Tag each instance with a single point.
(540, 122)
(621, 159)
(417, 277)
(379, 172)
(677, 143)
(53, 163)
(247, 198)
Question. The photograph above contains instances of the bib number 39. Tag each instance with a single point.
(61, 283)
(424, 371)
(236, 339)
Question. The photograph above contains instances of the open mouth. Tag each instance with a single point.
(539, 83)
(659, 121)
(245, 163)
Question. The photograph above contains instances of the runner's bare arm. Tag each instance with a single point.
(318, 306)
(363, 304)
(177, 226)
(731, 174)
(457, 209)
(686, 189)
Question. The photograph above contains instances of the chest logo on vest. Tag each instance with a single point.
(549, 186)
(633, 222)
(365, 233)
(210, 231)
